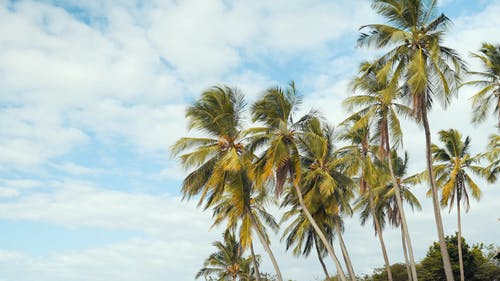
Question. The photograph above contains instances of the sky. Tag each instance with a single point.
(93, 93)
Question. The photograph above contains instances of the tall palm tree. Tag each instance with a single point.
(453, 166)
(326, 190)
(489, 94)
(227, 263)
(379, 106)
(357, 158)
(426, 68)
(243, 207)
(280, 160)
(220, 158)
(393, 210)
(324, 178)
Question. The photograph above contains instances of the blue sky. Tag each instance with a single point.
(93, 94)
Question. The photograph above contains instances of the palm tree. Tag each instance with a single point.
(489, 94)
(228, 262)
(218, 160)
(244, 208)
(280, 160)
(300, 235)
(426, 68)
(357, 158)
(324, 178)
(453, 166)
(378, 106)
(370, 206)
(326, 190)
(393, 210)
(493, 155)
(217, 115)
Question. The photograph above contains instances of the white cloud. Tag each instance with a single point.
(75, 169)
(32, 135)
(149, 128)
(250, 83)
(8, 192)
(21, 183)
(68, 204)
(123, 261)
(173, 172)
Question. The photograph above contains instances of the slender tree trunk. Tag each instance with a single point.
(437, 212)
(328, 247)
(347, 259)
(405, 252)
(497, 93)
(378, 229)
(267, 248)
(460, 261)
(325, 270)
(399, 202)
(255, 263)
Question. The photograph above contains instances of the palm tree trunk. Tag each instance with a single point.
(347, 259)
(460, 261)
(255, 263)
(265, 244)
(497, 93)
(405, 252)
(378, 229)
(435, 203)
(399, 202)
(320, 233)
(320, 258)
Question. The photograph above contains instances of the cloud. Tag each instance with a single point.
(8, 192)
(21, 183)
(68, 204)
(75, 169)
(32, 135)
(123, 261)
(98, 78)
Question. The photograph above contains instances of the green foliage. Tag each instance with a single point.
(453, 167)
(477, 266)
(398, 273)
(493, 156)
(480, 264)
(488, 82)
(227, 263)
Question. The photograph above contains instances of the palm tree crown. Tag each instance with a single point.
(417, 56)
(489, 94)
(275, 111)
(227, 263)
(453, 165)
(216, 114)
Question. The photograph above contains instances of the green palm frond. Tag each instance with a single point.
(453, 165)
(488, 95)
(414, 35)
(217, 112)
(227, 263)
